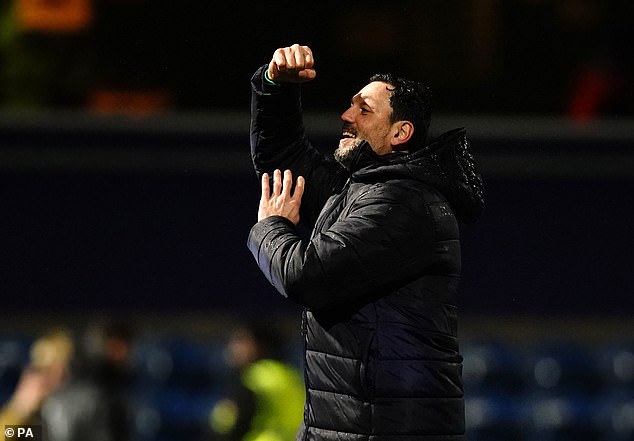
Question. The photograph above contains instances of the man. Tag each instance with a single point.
(50, 359)
(378, 275)
(94, 403)
(264, 402)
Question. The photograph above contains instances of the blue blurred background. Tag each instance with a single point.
(126, 188)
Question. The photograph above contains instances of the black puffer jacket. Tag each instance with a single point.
(377, 277)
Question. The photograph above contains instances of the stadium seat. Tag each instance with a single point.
(173, 414)
(562, 368)
(178, 362)
(616, 416)
(563, 418)
(491, 367)
(494, 418)
(616, 366)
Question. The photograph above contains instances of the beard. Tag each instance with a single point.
(344, 154)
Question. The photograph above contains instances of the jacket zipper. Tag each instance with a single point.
(322, 220)
(306, 383)
(325, 215)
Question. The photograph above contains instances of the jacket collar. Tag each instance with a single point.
(445, 164)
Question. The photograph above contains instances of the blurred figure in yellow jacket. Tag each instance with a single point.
(267, 397)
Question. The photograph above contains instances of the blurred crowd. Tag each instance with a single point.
(75, 387)
(89, 385)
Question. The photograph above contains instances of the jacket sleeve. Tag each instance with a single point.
(383, 242)
(279, 141)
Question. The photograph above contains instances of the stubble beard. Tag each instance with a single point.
(344, 154)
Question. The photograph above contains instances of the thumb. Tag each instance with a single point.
(307, 74)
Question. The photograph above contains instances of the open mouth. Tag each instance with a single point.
(348, 132)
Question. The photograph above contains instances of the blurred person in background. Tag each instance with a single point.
(93, 404)
(266, 398)
(48, 369)
(379, 274)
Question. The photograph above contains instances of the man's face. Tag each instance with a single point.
(241, 349)
(367, 119)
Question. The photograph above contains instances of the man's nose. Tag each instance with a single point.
(347, 115)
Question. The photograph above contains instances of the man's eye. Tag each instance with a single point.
(364, 110)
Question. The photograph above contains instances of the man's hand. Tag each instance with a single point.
(281, 202)
(292, 64)
(33, 387)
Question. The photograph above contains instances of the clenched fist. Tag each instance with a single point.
(293, 64)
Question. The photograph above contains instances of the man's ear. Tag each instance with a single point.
(403, 131)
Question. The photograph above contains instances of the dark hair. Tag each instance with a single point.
(411, 101)
(267, 337)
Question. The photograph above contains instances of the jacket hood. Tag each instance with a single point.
(445, 164)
